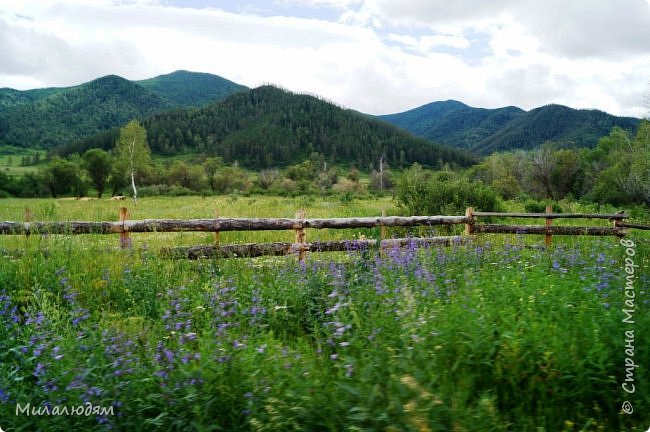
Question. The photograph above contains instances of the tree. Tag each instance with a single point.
(98, 163)
(62, 177)
(231, 179)
(542, 165)
(267, 177)
(132, 154)
(211, 165)
(187, 176)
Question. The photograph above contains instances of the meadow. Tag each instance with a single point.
(495, 336)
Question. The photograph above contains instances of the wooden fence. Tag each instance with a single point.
(300, 223)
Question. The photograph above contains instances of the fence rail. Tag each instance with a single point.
(615, 216)
(251, 250)
(300, 223)
(221, 224)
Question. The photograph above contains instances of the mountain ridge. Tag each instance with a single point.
(268, 127)
(485, 130)
(56, 116)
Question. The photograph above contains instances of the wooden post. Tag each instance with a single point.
(469, 227)
(301, 236)
(217, 237)
(28, 217)
(383, 234)
(125, 241)
(617, 223)
(548, 237)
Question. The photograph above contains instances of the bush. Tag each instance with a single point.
(421, 192)
(533, 206)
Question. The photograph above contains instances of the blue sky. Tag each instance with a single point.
(376, 56)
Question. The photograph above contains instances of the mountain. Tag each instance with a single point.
(268, 126)
(10, 98)
(567, 126)
(191, 89)
(76, 112)
(484, 131)
(53, 117)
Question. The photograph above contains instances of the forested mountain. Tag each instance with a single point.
(268, 126)
(80, 111)
(10, 98)
(191, 89)
(484, 131)
(53, 117)
(566, 126)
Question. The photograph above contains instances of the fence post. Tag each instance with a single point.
(383, 233)
(617, 224)
(28, 217)
(301, 235)
(548, 237)
(125, 241)
(217, 237)
(469, 227)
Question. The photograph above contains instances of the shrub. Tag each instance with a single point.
(533, 206)
(424, 193)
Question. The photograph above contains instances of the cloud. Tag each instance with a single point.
(582, 28)
(424, 44)
(377, 57)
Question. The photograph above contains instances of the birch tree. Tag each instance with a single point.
(133, 156)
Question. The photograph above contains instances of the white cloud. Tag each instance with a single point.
(380, 57)
(425, 44)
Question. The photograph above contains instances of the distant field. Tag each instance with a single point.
(11, 160)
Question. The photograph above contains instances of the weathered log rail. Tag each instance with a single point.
(299, 224)
(251, 250)
(543, 230)
(221, 224)
(615, 216)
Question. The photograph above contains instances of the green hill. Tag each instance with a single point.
(566, 126)
(484, 131)
(52, 117)
(268, 126)
(80, 111)
(191, 89)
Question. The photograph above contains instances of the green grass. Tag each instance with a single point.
(11, 157)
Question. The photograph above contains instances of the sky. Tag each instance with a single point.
(375, 56)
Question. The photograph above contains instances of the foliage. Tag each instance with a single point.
(231, 179)
(99, 164)
(620, 167)
(420, 192)
(191, 177)
(63, 177)
(533, 206)
(132, 157)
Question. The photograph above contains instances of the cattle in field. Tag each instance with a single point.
(118, 198)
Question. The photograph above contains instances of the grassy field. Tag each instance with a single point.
(11, 157)
(496, 336)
